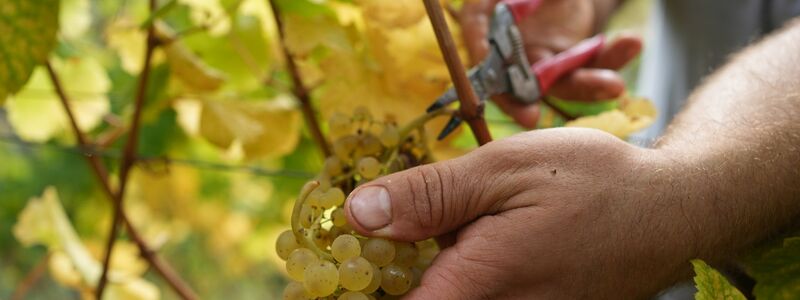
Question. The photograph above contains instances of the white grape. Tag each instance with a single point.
(344, 247)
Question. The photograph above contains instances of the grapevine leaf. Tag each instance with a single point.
(27, 34)
(44, 222)
(776, 270)
(393, 14)
(209, 14)
(303, 34)
(193, 72)
(264, 128)
(75, 18)
(711, 285)
(244, 54)
(581, 108)
(36, 111)
(304, 8)
(129, 42)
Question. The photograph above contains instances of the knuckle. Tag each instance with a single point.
(428, 187)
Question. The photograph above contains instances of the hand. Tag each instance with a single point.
(551, 214)
(555, 27)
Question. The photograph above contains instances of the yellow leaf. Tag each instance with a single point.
(264, 128)
(186, 66)
(632, 116)
(44, 222)
(62, 270)
(75, 17)
(209, 13)
(36, 111)
(125, 37)
(641, 112)
(303, 34)
(394, 72)
(134, 289)
(711, 285)
(395, 14)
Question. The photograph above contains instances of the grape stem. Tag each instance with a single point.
(297, 229)
(421, 120)
(471, 107)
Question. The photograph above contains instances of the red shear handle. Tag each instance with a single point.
(522, 8)
(549, 70)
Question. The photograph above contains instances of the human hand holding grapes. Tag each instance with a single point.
(557, 213)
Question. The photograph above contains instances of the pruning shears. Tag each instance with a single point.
(506, 69)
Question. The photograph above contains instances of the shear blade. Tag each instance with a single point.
(451, 126)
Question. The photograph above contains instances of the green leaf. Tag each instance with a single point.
(776, 270)
(711, 285)
(579, 108)
(304, 8)
(27, 34)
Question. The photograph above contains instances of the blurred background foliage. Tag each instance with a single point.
(223, 148)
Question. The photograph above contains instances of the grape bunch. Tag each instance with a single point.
(324, 257)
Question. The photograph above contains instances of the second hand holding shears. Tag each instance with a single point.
(506, 69)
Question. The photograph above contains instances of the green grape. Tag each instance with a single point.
(322, 238)
(417, 277)
(333, 166)
(295, 291)
(353, 296)
(355, 273)
(344, 247)
(361, 113)
(378, 251)
(298, 261)
(285, 244)
(339, 125)
(396, 280)
(338, 217)
(321, 278)
(369, 167)
(306, 215)
(375, 282)
(314, 198)
(405, 254)
(344, 146)
(332, 197)
(389, 136)
(427, 250)
(368, 145)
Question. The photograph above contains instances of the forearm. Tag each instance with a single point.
(734, 152)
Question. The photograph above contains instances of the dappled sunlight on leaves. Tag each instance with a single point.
(44, 222)
(36, 112)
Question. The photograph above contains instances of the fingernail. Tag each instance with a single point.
(372, 208)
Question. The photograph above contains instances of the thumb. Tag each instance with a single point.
(428, 200)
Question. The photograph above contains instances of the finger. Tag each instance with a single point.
(474, 20)
(619, 53)
(526, 115)
(450, 277)
(431, 200)
(589, 85)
